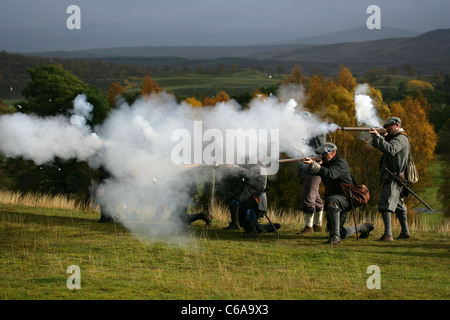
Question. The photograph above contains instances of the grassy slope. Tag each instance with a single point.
(233, 83)
(37, 246)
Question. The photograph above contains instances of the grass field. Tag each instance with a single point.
(38, 243)
(189, 83)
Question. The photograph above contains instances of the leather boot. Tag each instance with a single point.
(317, 228)
(263, 228)
(386, 238)
(207, 217)
(334, 216)
(306, 230)
(234, 224)
(334, 240)
(368, 228)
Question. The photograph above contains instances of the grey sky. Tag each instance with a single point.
(30, 25)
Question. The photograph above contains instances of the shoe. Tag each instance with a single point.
(104, 219)
(232, 226)
(317, 228)
(207, 217)
(268, 228)
(403, 236)
(334, 240)
(250, 235)
(365, 234)
(385, 238)
(306, 230)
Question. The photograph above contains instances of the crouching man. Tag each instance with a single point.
(334, 170)
(252, 199)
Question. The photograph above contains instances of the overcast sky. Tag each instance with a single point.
(40, 25)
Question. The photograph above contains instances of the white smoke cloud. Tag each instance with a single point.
(365, 110)
(42, 139)
(81, 111)
(134, 145)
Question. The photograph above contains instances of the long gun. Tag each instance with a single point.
(299, 159)
(379, 130)
(403, 184)
(224, 164)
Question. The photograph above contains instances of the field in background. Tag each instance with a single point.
(39, 241)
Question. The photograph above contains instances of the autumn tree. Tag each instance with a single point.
(444, 188)
(346, 79)
(5, 109)
(221, 96)
(194, 102)
(114, 91)
(410, 69)
(318, 90)
(420, 131)
(419, 85)
(234, 67)
(296, 76)
(209, 101)
(149, 86)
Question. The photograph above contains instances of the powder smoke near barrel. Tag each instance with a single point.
(134, 145)
(365, 110)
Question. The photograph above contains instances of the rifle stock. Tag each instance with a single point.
(379, 130)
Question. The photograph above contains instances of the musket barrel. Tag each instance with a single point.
(380, 130)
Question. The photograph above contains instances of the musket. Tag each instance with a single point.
(299, 159)
(379, 130)
(225, 164)
(403, 184)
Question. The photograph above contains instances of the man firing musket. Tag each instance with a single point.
(395, 146)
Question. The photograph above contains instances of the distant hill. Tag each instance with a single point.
(358, 34)
(428, 52)
(188, 52)
(433, 46)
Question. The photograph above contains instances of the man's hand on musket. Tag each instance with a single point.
(376, 133)
(310, 161)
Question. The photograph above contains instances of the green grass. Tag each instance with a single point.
(189, 83)
(38, 245)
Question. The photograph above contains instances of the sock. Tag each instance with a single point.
(318, 218)
(309, 219)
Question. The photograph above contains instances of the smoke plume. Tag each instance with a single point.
(365, 110)
(146, 188)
